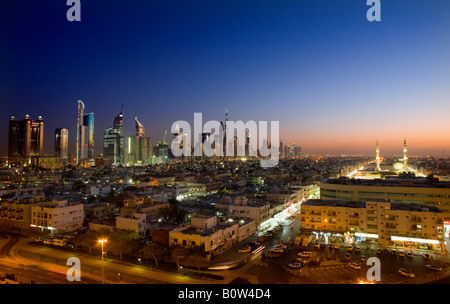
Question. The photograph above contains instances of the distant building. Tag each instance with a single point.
(85, 134)
(62, 144)
(140, 148)
(111, 146)
(26, 139)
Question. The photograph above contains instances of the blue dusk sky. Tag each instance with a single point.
(334, 80)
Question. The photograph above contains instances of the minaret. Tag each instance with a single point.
(378, 157)
(405, 157)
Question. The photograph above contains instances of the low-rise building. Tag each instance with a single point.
(57, 216)
(381, 221)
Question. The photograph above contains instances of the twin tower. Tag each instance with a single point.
(404, 159)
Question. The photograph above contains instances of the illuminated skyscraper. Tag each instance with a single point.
(88, 121)
(111, 146)
(81, 134)
(26, 138)
(118, 128)
(62, 144)
(405, 156)
(378, 157)
(140, 148)
(140, 130)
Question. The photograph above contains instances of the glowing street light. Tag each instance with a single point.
(103, 272)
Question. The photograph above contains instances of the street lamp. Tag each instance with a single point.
(102, 241)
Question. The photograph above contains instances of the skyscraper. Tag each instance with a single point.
(26, 138)
(88, 121)
(85, 134)
(111, 146)
(378, 157)
(405, 156)
(140, 148)
(118, 127)
(62, 144)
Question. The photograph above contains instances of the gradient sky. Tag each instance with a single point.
(335, 81)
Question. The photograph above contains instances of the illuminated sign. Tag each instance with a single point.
(369, 235)
(415, 240)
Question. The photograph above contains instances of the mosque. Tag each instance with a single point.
(384, 168)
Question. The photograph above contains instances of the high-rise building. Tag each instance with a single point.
(117, 126)
(85, 134)
(62, 144)
(88, 121)
(26, 138)
(111, 146)
(140, 148)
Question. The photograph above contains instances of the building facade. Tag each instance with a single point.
(26, 139)
(379, 221)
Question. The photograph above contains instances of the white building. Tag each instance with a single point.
(58, 216)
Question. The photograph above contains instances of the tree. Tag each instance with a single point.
(154, 251)
(123, 242)
(173, 215)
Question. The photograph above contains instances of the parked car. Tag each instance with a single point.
(394, 252)
(378, 251)
(336, 246)
(426, 256)
(305, 254)
(401, 253)
(363, 258)
(276, 249)
(357, 249)
(322, 245)
(406, 273)
(434, 267)
(348, 256)
(244, 249)
(284, 246)
(330, 246)
(409, 254)
(316, 245)
(350, 249)
(295, 265)
(354, 265)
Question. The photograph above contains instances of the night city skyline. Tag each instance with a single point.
(336, 82)
(199, 144)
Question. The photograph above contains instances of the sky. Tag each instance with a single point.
(335, 81)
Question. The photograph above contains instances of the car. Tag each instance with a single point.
(406, 273)
(385, 251)
(378, 251)
(348, 256)
(331, 246)
(268, 234)
(401, 253)
(255, 243)
(409, 254)
(350, 249)
(295, 265)
(434, 267)
(316, 245)
(363, 258)
(426, 256)
(336, 246)
(305, 254)
(354, 265)
(276, 249)
(357, 249)
(322, 245)
(244, 249)
(394, 252)
(284, 246)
